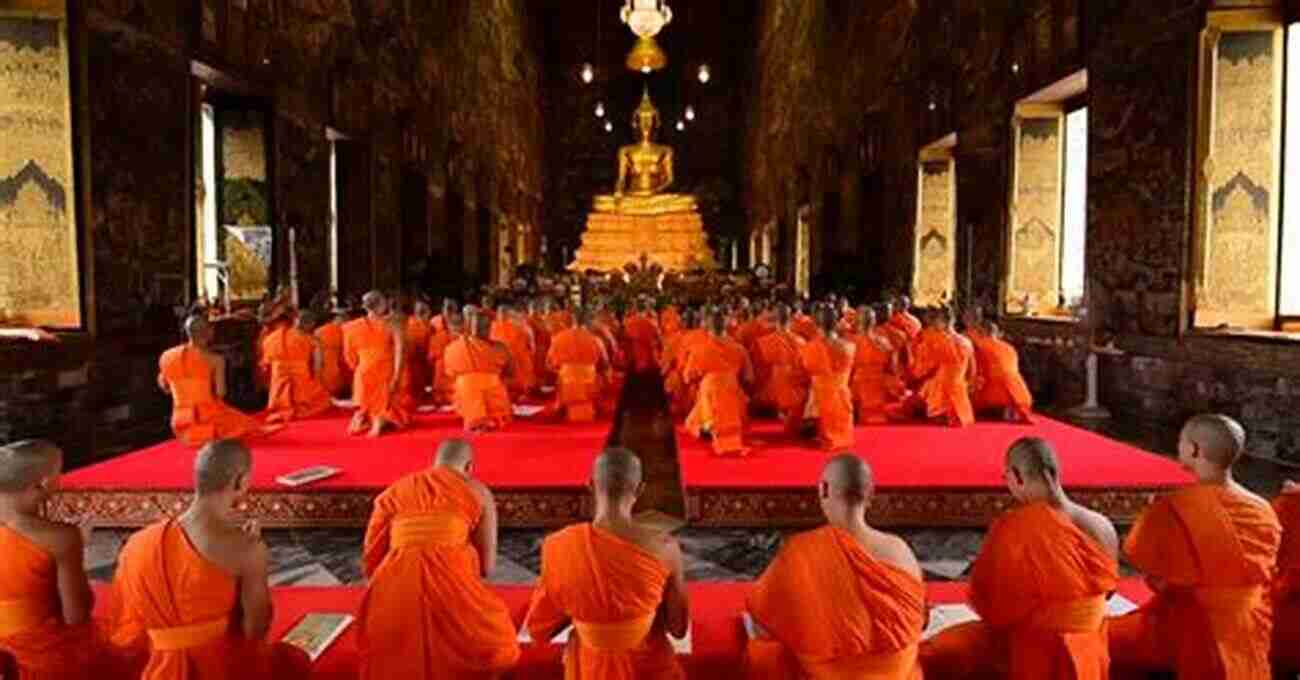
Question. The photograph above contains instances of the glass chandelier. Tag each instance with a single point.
(646, 17)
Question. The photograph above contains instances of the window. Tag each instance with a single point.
(209, 257)
(1246, 245)
(1047, 243)
(934, 271)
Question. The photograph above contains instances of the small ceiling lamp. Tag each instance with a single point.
(681, 125)
(600, 109)
(609, 127)
(690, 113)
(704, 74)
(646, 18)
(587, 73)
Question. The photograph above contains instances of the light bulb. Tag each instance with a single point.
(690, 113)
(704, 73)
(600, 109)
(609, 127)
(681, 125)
(588, 73)
(1015, 67)
(933, 106)
(645, 69)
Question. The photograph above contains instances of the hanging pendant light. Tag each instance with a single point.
(600, 109)
(646, 17)
(704, 74)
(609, 127)
(587, 73)
(690, 113)
(681, 125)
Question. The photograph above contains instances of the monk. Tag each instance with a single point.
(443, 386)
(620, 584)
(195, 377)
(511, 330)
(828, 361)
(670, 321)
(376, 352)
(903, 319)
(875, 383)
(417, 331)
(843, 601)
(1286, 586)
(541, 342)
(479, 366)
(578, 359)
(782, 384)
(431, 541)
(295, 360)
(1040, 585)
(803, 325)
(1209, 552)
(942, 367)
(45, 596)
(193, 590)
(719, 367)
(642, 335)
(275, 312)
(676, 354)
(334, 373)
(1002, 389)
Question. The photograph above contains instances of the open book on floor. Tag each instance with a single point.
(317, 631)
(305, 476)
(681, 647)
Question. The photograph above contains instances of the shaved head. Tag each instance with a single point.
(220, 464)
(373, 301)
(616, 473)
(24, 464)
(454, 452)
(849, 478)
(1220, 439)
(1034, 458)
(195, 326)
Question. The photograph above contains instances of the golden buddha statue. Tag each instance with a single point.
(639, 221)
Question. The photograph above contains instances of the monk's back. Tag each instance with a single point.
(169, 583)
(1207, 535)
(575, 345)
(188, 372)
(633, 577)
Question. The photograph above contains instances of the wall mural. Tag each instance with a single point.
(1034, 279)
(936, 257)
(37, 196)
(245, 203)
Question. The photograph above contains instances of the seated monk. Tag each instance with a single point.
(578, 359)
(619, 583)
(295, 360)
(376, 352)
(511, 330)
(335, 376)
(843, 601)
(449, 309)
(444, 389)
(875, 383)
(1209, 552)
(45, 596)
(676, 354)
(903, 319)
(803, 324)
(426, 613)
(275, 312)
(193, 590)
(718, 366)
(642, 335)
(541, 342)
(1040, 585)
(417, 331)
(670, 321)
(828, 361)
(478, 368)
(1286, 585)
(1002, 389)
(782, 384)
(942, 366)
(195, 376)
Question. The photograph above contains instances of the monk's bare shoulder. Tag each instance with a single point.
(894, 550)
(1096, 525)
(481, 490)
(657, 542)
(55, 538)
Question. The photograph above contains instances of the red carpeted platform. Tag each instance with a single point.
(718, 638)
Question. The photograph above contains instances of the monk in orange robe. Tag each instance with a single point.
(1002, 389)
(376, 352)
(942, 366)
(275, 312)
(578, 359)
(196, 378)
(1209, 552)
(45, 596)
(335, 376)
(804, 325)
(418, 329)
(718, 366)
(427, 614)
(193, 590)
(295, 359)
(642, 335)
(875, 382)
(843, 601)
(1286, 586)
(676, 355)
(512, 331)
(620, 584)
(479, 366)
(782, 384)
(828, 361)
(1040, 585)
(670, 321)
(444, 388)
(541, 342)
(903, 319)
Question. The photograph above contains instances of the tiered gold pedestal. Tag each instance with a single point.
(676, 241)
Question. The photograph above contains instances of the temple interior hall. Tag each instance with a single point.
(903, 272)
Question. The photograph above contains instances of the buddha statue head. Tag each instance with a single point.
(646, 117)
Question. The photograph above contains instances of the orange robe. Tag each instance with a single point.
(369, 351)
(184, 608)
(295, 393)
(263, 371)
(542, 347)
(519, 341)
(830, 400)
(426, 612)
(782, 383)
(1002, 386)
(418, 332)
(334, 372)
(1286, 586)
(1214, 551)
(576, 357)
(942, 366)
(198, 415)
(804, 327)
(443, 387)
(610, 590)
(873, 383)
(32, 632)
(905, 322)
(642, 342)
(676, 355)
(475, 367)
(1040, 586)
(833, 611)
(749, 332)
(714, 365)
(670, 321)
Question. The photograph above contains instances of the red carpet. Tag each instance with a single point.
(530, 454)
(909, 457)
(717, 636)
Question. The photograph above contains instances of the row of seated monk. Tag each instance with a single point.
(819, 373)
(191, 599)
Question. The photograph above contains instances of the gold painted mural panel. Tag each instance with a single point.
(936, 258)
(39, 278)
(1034, 285)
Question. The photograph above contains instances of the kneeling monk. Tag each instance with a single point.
(1209, 552)
(432, 540)
(1039, 584)
(193, 590)
(578, 359)
(1286, 586)
(782, 385)
(376, 352)
(196, 379)
(843, 601)
(295, 359)
(1002, 389)
(511, 330)
(477, 366)
(828, 360)
(718, 365)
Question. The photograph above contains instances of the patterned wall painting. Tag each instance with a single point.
(247, 237)
(936, 255)
(1239, 238)
(39, 279)
(1034, 278)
